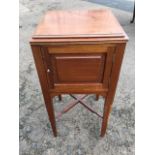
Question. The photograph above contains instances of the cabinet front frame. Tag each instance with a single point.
(106, 49)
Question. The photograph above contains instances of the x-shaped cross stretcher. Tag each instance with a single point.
(78, 99)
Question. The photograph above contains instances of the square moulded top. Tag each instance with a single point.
(79, 24)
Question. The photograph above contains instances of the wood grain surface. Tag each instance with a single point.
(79, 52)
(80, 23)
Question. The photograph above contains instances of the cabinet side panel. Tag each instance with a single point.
(36, 50)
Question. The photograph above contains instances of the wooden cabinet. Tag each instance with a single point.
(78, 52)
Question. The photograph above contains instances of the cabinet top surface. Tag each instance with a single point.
(79, 24)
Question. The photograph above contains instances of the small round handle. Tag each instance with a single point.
(48, 70)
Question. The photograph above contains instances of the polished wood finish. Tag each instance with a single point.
(112, 87)
(74, 24)
(86, 106)
(78, 52)
(77, 49)
(71, 105)
(89, 68)
(44, 85)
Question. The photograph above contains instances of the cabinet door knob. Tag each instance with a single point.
(48, 70)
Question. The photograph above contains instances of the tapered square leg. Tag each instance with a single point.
(106, 114)
(112, 87)
(37, 54)
(50, 110)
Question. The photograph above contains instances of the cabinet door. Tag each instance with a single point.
(73, 64)
(75, 68)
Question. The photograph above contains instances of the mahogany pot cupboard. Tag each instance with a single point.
(78, 52)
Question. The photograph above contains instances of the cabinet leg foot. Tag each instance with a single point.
(60, 97)
(106, 114)
(50, 110)
(97, 97)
